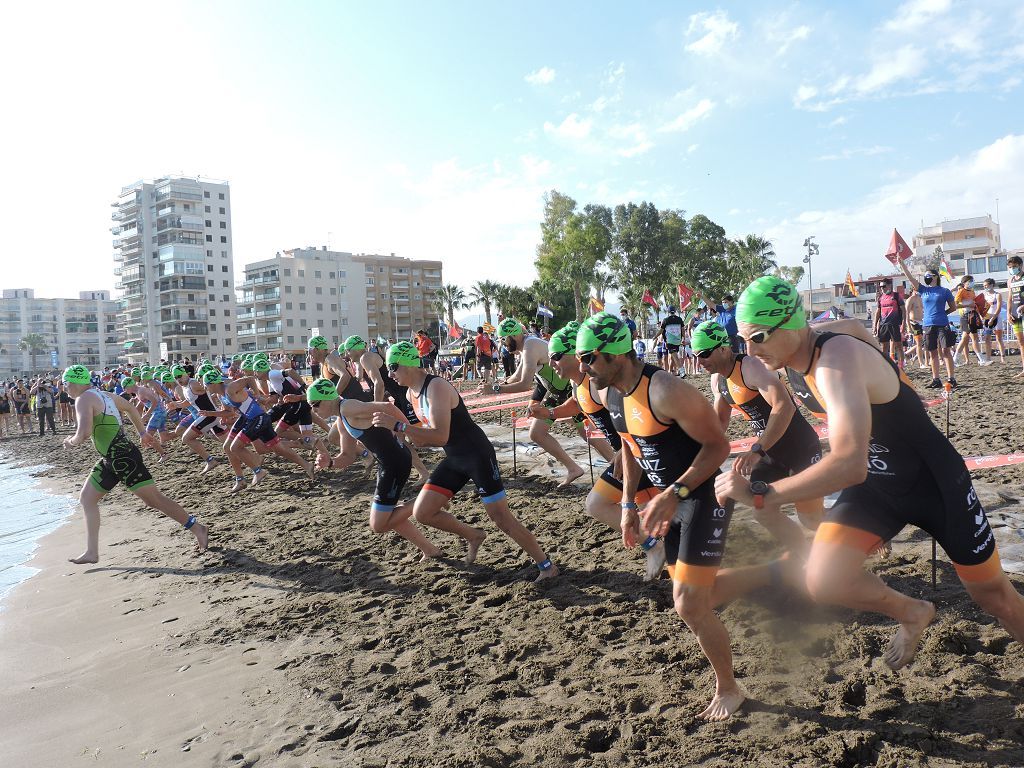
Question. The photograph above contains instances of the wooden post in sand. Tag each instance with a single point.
(513, 419)
(590, 455)
(947, 393)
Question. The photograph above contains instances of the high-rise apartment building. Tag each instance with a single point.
(969, 246)
(399, 295)
(335, 293)
(174, 267)
(69, 331)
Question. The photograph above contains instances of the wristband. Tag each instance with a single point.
(400, 426)
(629, 505)
(551, 413)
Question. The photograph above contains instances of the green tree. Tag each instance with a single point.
(572, 245)
(447, 299)
(515, 301)
(603, 282)
(704, 262)
(33, 343)
(638, 256)
(790, 274)
(751, 257)
(484, 292)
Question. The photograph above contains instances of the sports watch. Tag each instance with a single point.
(496, 388)
(756, 448)
(760, 489)
(681, 490)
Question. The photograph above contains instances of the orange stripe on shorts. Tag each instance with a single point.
(438, 489)
(837, 533)
(696, 575)
(986, 571)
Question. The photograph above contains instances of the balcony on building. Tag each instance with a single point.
(246, 331)
(263, 298)
(255, 280)
(175, 328)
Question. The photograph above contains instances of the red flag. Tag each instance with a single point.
(685, 294)
(898, 248)
(648, 299)
(455, 331)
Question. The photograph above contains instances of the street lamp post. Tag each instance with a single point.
(812, 250)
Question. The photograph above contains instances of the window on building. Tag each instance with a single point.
(369, 281)
(344, 321)
(382, 270)
(223, 239)
(205, 193)
(213, 342)
(997, 263)
(302, 306)
(206, 209)
(227, 342)
(334, 307)
(208, 223)
(302, 273)
(302, 289)
(287, 305)
(220, 195)
(213, 312)
(291, 339)
(289, 322)
(209, 239)
(976, 266)
(225, 283)
(224, 268)
(317, 274)
(956, 256)
(223, 254)
(334, 292)
(209, 284)
(227, 326)
(287, 289)
(222, 210)
(226, 298)
(209, 267)
(192, 342)
(334, 322)
(209, 254)
(330, 275)
(341, 273)
(223, 225)
(287, 272)
(213, 297)
(319, 307)
(319, 291)
(213, 326)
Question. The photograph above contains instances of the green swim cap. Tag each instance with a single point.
(405, 354)
(317, 342)
(147, 375)
(136, 372)
(768, 300)
(351, 343)
(212, 377)
(247, 364)
(606, 332)
(510, 327)
(167, 377)
(177, 372)
(261, 356)
(321, 389)
(77, 374)
(127, 381)
(564, 340)
(260, 366)
(236, 358)
(709, 335)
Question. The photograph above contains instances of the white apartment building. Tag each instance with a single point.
(285, 298)
(970, 247)
(334, 293)
(175, 270)
(74, 331)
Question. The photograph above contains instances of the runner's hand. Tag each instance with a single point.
(732, 485)
(538, 411)
(745, 462)
(69, 441)
(388, 415)
(658, 514)
(617, 466)
(630, 525)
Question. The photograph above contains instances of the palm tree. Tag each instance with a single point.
(603, 282)
(447, 299)
(33, 343)
(485, 292)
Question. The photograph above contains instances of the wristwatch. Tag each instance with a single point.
(496, 388)
(756, 448)
(760, 489)
(681, 490)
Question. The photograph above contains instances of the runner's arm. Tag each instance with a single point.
(378, 382)
(566, 410)
(775, 393)
(907, 274)
(672, 398)
(129, 410)
(722, 408)
(522, 379)
(849, 423)
(630, 480)
(84, 411)
(441, 398)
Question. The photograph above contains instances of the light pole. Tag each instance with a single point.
(812, 250)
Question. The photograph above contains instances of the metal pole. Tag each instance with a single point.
(513, 413)
(590, 455)
(947, 392)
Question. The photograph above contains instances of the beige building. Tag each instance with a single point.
(306, 291)
(969, 246)
(399, 294)
(174, 267)
(74, 331)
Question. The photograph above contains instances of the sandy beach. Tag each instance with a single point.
(302, 639)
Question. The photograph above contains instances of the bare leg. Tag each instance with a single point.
(510, 525)
(693, 604)
(429, 510)
(541, 436)
(397, 520)
(783, 529)
(835, 575)
(89, 498)
(999, 598)
(292, 456)
(601, 445)
(152, 496)
(193, 441)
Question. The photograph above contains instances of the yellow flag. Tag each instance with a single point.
(596, 306)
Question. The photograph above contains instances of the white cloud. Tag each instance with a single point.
(856, 236)
(903, 63)
(635, 135)
(915, 14)
(690, 117)
(614, 74)
(572, 127)
(841, 120)
(692, 148)
(804, 94)
(849, 152)
(794, 35)
(542, 76)
(889, 69)
(711, 30)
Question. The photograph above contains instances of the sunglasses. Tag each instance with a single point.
(556, 356)
(588, 358)
(704, 354)
(392, 367)
(760, 337)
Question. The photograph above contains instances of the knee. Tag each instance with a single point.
(691, 609)
(423, 514)
(823, 585)
(502, 518)
(380, 523)
(999, 600)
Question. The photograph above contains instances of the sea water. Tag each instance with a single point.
(27, 513)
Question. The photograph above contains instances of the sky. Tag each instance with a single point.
(434, 130)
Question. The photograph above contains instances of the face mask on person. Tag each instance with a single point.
(929, 279)
(1014, 270)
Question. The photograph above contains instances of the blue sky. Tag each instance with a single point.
(434, 131)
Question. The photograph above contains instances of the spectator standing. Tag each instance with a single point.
(45, 405)
(888, 321)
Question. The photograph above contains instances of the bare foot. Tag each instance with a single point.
(428, 556)
(574, 474)
(310, 471)
(724, 704)
(474, 546)
(655, 562)
(85, 557)
(258, 477)
(202, 534)
(884, 550)
(903, 646)
(548, 573)
(208, 466)
(239, 485)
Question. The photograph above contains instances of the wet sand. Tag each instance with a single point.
(302, 638)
